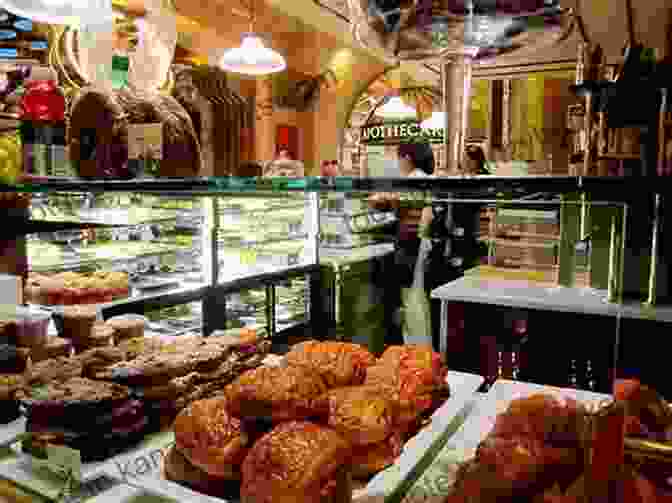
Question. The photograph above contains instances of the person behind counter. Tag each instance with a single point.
(415, 160)
(449, 233)
(284, 166)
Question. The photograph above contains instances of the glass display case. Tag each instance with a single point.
(249, 252)
(176, 258)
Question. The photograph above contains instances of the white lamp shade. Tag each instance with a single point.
(436, 121)
(395, 109)
(90, 13)
(252, 58)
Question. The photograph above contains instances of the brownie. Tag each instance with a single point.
(91, 446)
(55, 369)
(77, 403)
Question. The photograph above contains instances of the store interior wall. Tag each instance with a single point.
(307, 51)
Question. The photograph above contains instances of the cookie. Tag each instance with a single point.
(77, 390)
(140, 345)
(95, 360)
(160, 367)
(55, 369)
(173, 388)
(101, 336)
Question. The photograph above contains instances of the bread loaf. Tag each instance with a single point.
(98, 132)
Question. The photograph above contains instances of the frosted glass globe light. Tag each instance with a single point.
(252, 58)
(395, 109)
(91, 13)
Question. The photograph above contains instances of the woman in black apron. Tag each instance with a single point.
(450, 233)
(415, 161)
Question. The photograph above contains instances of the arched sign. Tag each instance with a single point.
(400, 132)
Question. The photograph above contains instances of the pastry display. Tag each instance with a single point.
(276, 393)
(96, 418)
(297, 462)
(368, 460)
(547, 449)
(359, 413)
(71, 288)
(412, 376)
(170, 376)
(339, 363)
(211, 439)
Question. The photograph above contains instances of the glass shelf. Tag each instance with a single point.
(610, 188)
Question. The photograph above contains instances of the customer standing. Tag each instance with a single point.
(415, 160)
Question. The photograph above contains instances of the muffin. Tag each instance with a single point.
(101, 336)
(78, 322)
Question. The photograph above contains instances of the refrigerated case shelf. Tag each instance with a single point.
(613, 189)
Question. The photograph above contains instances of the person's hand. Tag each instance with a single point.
(427, 216)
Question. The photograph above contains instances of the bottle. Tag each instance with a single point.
(43, 125)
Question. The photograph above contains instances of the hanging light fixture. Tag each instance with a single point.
(89, 13)
(252, 57)
(395, 108)
(436, 121)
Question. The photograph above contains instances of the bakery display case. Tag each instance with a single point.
(176, 259)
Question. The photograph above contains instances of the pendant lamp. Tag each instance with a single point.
(252, 57)
(436, 121)
(395, 109)
(82, 13)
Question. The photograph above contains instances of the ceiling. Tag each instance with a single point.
(605, 20)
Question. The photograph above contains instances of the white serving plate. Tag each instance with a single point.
(463, 386)
(21, 470)
(482, 411)
(482, 419)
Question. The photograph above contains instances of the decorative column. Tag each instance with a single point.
(264, 126)
(456, 82)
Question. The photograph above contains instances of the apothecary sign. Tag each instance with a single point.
(401, 132)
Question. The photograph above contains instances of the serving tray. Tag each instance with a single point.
(463, 386)
(438, 476)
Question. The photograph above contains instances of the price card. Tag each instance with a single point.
(187, 241)
(61, 461)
